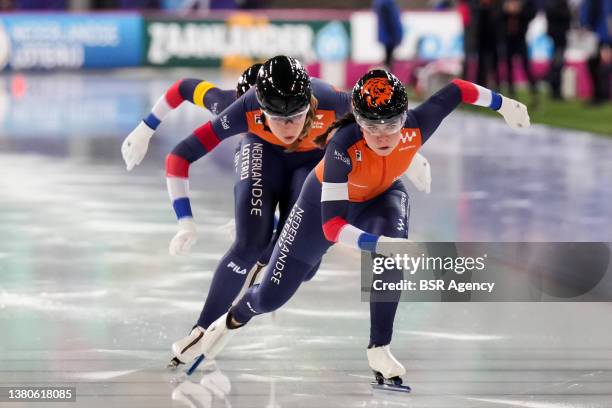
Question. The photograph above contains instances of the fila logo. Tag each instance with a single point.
(258, 120)
(358, 155)
(408, 137)
(237, 269)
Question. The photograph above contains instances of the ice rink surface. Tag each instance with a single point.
(90, 297)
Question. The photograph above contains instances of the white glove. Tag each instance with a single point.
(391, 246)
(419, 173)
(135, 145)
(184, 238)
(515, 113)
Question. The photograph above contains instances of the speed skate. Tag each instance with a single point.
(387, 370)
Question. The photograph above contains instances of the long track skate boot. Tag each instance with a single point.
(188, 348)
(387, 370)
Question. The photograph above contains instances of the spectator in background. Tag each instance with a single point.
(516, 15)
(139, 4)
(390, 31)
(469, 30)
(558, 18)
(487, 15)
(596, 15)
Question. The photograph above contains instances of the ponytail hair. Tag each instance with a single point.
(314, 104)
(347, 119)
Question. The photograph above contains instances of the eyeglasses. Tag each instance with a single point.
(287, 119)
(382, 127)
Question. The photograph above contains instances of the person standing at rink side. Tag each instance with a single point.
(487, 14)
(390, 30)
(196, 91)
(596, 15)
(517, 14)
(353, 197)
(558, 19)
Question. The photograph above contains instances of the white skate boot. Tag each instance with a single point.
(216, 337)
(187, 348)
(387, 370)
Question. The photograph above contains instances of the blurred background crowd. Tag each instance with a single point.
(495, 44)
(496, 50)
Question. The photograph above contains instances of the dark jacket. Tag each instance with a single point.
(390, 31)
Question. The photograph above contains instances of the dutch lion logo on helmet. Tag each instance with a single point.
(376, 92)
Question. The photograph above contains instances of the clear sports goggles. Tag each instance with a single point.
(286, 119)
(382, 126)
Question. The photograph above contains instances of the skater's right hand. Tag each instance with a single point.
(515, 113)
(135, 145)
(390, 247)
(184, 238)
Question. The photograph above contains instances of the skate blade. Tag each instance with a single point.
(195, 365)
(174, 364)
(390, 387)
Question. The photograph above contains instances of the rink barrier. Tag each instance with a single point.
(51, 41)
(337, 45)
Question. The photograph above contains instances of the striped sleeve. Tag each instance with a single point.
(202, 141)
(198, 144)
(432, 112)
(477, 95)
(191, 90)
(335, 201)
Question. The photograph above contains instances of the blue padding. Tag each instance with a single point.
(367, 242)
(182, 208)
(496, 101)
(152, 121)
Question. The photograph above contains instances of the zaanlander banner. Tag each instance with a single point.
(60, 41)
(488, 272)
(210, 42)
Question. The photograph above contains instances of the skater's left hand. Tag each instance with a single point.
(389, 247)
(419, 173)
(184, 238)
(515, 113)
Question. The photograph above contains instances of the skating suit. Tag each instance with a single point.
(354, 196)
(265, 175)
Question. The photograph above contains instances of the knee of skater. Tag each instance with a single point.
(269, 302)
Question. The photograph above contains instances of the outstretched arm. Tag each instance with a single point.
(195, 91)
(430, 113)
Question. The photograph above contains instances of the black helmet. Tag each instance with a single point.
(378, 96)
(283, 86)
(247, 79)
